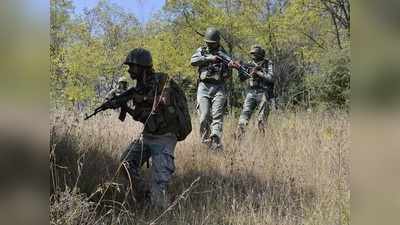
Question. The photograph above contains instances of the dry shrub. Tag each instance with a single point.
(295, 173)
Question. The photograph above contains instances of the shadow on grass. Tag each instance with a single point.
(85, 169)
(93, 170)
(243, 193)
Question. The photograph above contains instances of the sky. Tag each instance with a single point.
(143, 9)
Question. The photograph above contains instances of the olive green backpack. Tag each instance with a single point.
(184, 126)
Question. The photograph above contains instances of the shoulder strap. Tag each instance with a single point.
(161, 79)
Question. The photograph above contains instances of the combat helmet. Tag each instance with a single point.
(258, 51)
(212, 35)
(139, 56)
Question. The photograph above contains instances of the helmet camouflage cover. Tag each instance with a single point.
(139, 56)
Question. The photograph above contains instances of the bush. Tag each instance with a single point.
(331, 86)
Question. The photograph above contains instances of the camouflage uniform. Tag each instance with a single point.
(158, 139)
(259, 92)
(161, 150)
(211, 93)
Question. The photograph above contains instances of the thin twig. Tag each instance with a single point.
(181, 196)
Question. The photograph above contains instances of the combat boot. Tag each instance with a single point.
(216, 144)
(159, 200)
(240, 132)
(137, 188)
(261, 127)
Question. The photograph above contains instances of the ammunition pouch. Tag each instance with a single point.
(212, 73)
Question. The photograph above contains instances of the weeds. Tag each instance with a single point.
(295, 173)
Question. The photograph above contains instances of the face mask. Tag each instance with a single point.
(133, 71)
(256, 58)
(212, 46)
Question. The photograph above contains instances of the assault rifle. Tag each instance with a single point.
(116, 102)
(227, 59)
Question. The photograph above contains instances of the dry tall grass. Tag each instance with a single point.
(295, 173)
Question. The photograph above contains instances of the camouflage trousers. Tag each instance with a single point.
(255, 99)
(161, 150)
(211, 100)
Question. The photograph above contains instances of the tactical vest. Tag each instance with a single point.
(171, 115)
(258, 82)
(213, 72)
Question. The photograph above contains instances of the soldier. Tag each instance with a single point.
(259, 91)
(122, 87)
(156, 107)
(211, 94)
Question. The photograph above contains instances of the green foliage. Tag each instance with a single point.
(310, 53)
(331, 85)
(97, 43)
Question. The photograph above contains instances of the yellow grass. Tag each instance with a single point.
(295, 173)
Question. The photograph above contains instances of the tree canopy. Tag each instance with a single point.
(307, 40)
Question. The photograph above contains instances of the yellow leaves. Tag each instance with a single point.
(303, 24)
(291, 124)
(172, 41)
(77, 92)
(328, 133)
(172, 51)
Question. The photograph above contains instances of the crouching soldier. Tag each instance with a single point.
(162, 108)
(259, 90)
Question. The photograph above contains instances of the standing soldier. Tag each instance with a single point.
(211, 93)
(121, 88)
(162, 108)
(260, 90)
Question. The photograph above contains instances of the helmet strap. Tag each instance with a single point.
(144, 72)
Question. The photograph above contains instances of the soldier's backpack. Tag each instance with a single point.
(184, 126)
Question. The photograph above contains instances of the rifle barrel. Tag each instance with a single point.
(88, 116)
(97, 110)
(227, 59)
(120, 101)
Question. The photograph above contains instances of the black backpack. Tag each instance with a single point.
(184, 126)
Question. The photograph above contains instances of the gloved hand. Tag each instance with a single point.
(254, 71)
(212, 58)
(234, 64)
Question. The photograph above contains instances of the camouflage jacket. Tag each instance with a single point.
(212, 72)
(154, 107)
(264, 77)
